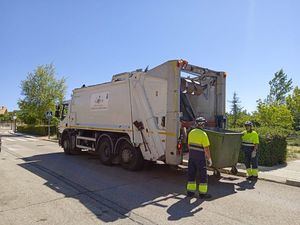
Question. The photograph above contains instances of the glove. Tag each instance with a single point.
(209, 162)
(253, 154)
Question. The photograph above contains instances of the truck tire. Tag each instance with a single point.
(105, 150)
(131, 158)
(66, 144)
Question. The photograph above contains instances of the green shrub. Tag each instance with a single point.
(272, 148)
(40, 130)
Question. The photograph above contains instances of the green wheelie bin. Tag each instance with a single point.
(224, 148)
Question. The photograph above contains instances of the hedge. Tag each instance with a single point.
(272, 149)
(40, 130)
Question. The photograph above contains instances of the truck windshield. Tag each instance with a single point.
(64, 111)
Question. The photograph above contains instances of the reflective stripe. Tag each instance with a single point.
(248, 144)
(255, 172)
(191, 186)
(195, 145)
(196, 149)
(249, 172)
(203, 188)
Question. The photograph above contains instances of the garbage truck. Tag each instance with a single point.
(143, 115)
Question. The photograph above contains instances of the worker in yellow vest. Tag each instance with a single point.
(198, 145)
(250, 143)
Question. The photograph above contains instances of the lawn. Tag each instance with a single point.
(293, 148)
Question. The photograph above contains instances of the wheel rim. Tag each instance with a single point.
(126, 155)
(66, 144)
(106, 150)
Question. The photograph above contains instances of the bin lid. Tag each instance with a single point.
(222, 131)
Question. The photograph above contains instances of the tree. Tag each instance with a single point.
(41, 92)
(235, 110)
(245, 116)
(274, 115)
(293, 104)
(280, 86)
(7, 117)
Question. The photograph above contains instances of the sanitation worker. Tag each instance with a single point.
(198, 145)
(250, 143)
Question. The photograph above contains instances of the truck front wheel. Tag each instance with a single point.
(66, 144)
(131, 157)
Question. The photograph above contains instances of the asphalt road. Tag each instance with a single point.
(39, 184)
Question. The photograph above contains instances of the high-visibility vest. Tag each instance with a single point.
(250, 138)
(197, 140)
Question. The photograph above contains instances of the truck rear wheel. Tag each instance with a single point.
(131, 157)
(105, 150)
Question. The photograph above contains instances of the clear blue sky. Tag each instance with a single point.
(89, 41)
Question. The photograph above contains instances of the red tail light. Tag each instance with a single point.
(182, 63)
(179, 146)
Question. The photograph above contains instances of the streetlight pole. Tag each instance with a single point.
(49, 119)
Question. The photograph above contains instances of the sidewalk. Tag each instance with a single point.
(45, 138)
(288, 173)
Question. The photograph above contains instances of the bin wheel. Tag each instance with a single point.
(217, 173)
(234, 170)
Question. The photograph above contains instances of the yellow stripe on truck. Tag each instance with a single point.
(117, 129)
(100, 128)
(167, 133)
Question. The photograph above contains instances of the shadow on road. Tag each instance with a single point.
(185, 207)
(246, 185)
(112, 193)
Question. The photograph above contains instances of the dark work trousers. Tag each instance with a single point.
(249, 161)
(197, 163)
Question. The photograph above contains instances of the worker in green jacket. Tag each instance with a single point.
(250, 143)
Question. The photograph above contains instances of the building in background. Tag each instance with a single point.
(3, 110)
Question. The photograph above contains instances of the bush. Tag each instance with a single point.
(272, 148)
(40, 130)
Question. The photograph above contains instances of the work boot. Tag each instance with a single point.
(254, 178)
(190, 194)
(204, 196)
(249, 178)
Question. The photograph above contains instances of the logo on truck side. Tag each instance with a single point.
(99, 101)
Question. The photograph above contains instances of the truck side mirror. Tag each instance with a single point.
(57, 114)
(57, 111)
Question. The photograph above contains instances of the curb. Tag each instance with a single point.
(244, 174)
(280, 180)
(293, 183)
(45, 139)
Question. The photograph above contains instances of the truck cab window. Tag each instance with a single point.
(64, 111)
